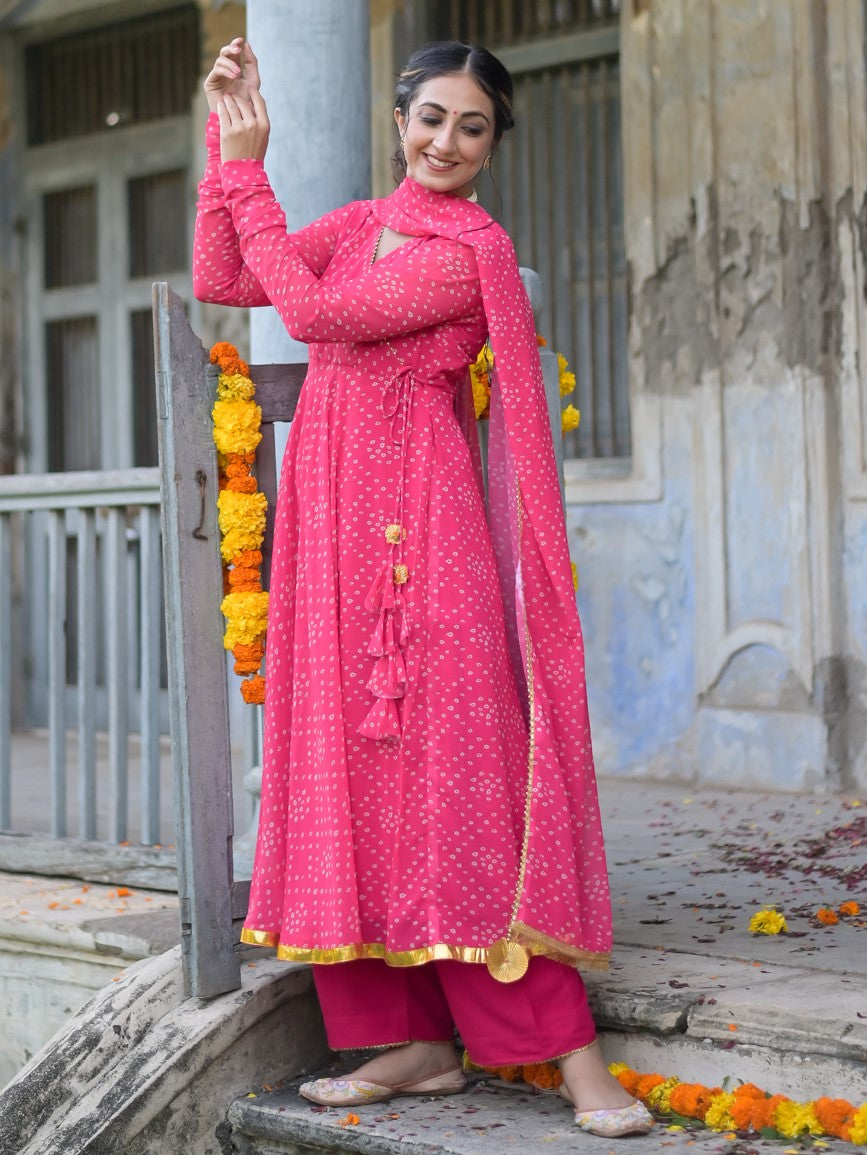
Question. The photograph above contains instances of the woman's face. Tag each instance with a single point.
(448, 133)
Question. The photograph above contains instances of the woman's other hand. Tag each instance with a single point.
(244, 127)
(235, 72)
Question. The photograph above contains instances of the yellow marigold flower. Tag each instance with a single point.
(658, 1099)
(768, 921)
(858, 1129)
(235, 387)
(574, 577)
(242, 521)
(562, 363)
(793, 1119)
(246, 617)
(616, 1069)
(236, 426)
(569, 418)
(718, 1116)
(567, 383)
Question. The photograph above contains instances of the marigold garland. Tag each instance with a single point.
(744, 1108)
(480, 376)
(241, 512)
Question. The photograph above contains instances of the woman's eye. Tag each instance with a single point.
(430, 120)
(473, 130)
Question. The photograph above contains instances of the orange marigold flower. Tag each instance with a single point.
(628, 1080)
(826, 916)
(540, 340)
(546, 1076)
(749, 1091)
(240, 574)
(645, 1085)
(512, 1074)
(243, 368)
(248, 587)
(849, 908)
(237, 468)
(242, 484)
(248, 557)
(834, 1115)
(249, 651)
(253, 690)
(692, 1099)
(224, 354)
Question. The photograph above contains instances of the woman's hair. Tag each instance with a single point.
(448, 58)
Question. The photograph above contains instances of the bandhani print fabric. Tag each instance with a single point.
(428, 785)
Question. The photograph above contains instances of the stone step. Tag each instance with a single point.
(486, 1120)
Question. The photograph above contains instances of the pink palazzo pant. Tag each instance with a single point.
(544, 1015)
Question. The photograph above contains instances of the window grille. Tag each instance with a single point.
(157, 224)
(69, 219)
(557, 188)
(504, 22)
(72, 363)
(144, 412)
(120, 74)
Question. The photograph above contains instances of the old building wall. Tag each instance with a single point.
(725, 621)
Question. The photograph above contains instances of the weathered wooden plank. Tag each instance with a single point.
(86, 672)
(56, 534)
(117, 669)
(197, 667)
(150, 594)
(277, 390)
(5, 671)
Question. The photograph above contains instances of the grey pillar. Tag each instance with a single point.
(314, 57)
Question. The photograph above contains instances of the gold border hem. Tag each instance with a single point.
(535, 941)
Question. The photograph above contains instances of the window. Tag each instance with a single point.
(106, 217)
(558, 190)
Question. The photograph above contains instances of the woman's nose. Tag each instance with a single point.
(445, 137)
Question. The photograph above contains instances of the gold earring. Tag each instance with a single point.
(487, 163)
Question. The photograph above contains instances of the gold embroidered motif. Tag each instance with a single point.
(395, 533)
(401, 575)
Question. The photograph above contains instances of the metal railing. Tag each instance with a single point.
(81, 616)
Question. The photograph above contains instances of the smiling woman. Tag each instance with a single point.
(429, 835)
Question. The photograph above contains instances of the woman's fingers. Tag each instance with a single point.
(258, 106)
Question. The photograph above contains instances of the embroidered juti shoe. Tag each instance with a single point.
(357, 1092)
(613, 1122)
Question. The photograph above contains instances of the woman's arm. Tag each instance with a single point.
(219, 272)
(389, 301)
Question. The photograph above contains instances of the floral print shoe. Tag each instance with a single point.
(357, 1092)
(616, 1121)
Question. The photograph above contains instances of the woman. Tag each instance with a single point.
(429, 835)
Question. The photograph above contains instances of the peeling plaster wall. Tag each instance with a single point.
(725, 614)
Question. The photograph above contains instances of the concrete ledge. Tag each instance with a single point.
(92, 861)
(140, 1068)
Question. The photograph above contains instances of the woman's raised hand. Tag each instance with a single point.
(235, 73)
(244, 127)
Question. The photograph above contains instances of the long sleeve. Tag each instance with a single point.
(384, 302)
(219, 272)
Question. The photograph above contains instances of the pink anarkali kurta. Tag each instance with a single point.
(395, 790)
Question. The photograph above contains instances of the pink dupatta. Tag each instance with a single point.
(562, 906)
